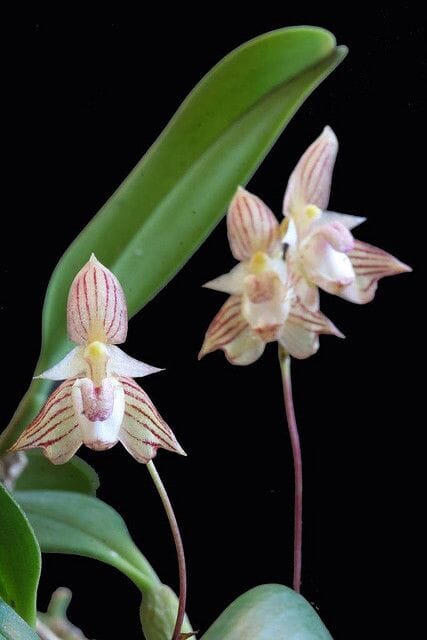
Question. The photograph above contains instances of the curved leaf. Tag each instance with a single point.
(158, 613)
(19, 559)
(180, 189)
(74, 523)
(268, 612)
(12, 626)
(75, 475)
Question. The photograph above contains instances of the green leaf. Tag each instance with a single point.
(66, 522)
(180, 189)
(19, 559)
(12, 626)
(75, 475)
(268, 612)
(158, 613)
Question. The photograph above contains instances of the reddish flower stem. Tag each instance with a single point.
(178, 545)
(285, 366)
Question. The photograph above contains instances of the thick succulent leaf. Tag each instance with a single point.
(19, 559)
(66, 522)
(268, 612)
(40, 474)
(12, 626)
(161, 213)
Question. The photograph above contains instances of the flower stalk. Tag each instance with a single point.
(178, 546)
(285, 367)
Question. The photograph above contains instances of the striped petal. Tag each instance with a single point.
(56, 428)
(251, 226)
(310, 182)
(96, 307)
(370, 264)
(312, 320)
(245, 349)
(225, 327)
(300, 335)
(143, 429)
(230, 332)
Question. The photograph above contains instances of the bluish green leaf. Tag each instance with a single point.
(74, 523)
(19, 559)
(268, 612)
(75, 475)
(180, 189)
(12, 626)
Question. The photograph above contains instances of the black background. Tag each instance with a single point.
(86, 99)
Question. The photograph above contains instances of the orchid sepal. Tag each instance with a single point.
(55, 429)
(251, 226)
(143, 429)
(310, 182)
(92, 405)
(96, 309)
(370, 264)
(300, 334)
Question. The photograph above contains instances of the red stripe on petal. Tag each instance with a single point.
(143, 423)
(54, 429)
(226, 325)
(251, 226)
(147, 427)
(97, 302)
(313, 321)
(107, 296)
(43, 431)
(310, 182)
(41, 424)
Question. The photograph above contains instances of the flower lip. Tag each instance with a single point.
(269, 333)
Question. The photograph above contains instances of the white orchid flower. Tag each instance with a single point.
(99, 403)
(263, 306)
(322, 250)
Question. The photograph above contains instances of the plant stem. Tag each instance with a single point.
(285, 366)
(178, 545)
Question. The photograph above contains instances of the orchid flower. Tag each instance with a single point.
(99, 403)
(263, 306)
(322, 250)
